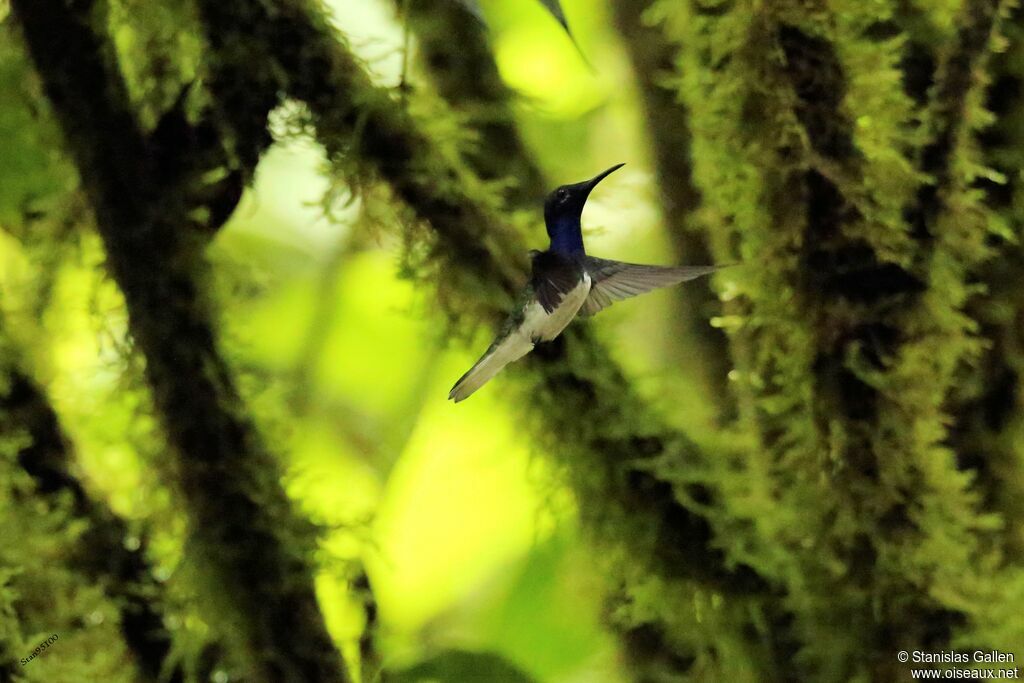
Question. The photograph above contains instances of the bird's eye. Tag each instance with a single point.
(563, 194)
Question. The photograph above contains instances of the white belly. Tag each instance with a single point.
(539, 325)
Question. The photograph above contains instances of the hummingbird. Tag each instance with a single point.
(566, 282)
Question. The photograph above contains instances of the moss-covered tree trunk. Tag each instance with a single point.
(836, 156)
(103, 552)
(252, 547)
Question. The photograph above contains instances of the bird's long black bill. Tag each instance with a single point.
(592, 183)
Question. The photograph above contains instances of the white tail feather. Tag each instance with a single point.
(513, 347)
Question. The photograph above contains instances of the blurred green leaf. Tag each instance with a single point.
(549, 620)
(457, 666)
(555, 7)
(552, 6)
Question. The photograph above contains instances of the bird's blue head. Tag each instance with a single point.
(562, 212)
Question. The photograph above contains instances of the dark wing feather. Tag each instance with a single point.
(613, 281)
(554, 276)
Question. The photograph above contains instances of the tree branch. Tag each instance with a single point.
(853, 322)
(653, 59)
(242, 522)
(956, 78)
(454, 48)
(989, 402)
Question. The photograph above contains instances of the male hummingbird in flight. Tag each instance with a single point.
(566, 281)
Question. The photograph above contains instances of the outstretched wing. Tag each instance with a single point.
(614, 280)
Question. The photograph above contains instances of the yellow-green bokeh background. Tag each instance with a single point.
(468, 534)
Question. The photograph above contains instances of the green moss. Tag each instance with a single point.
(33, 177)
(41, 592)
(809, 153)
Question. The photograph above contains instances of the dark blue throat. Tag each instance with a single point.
(566, 236)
